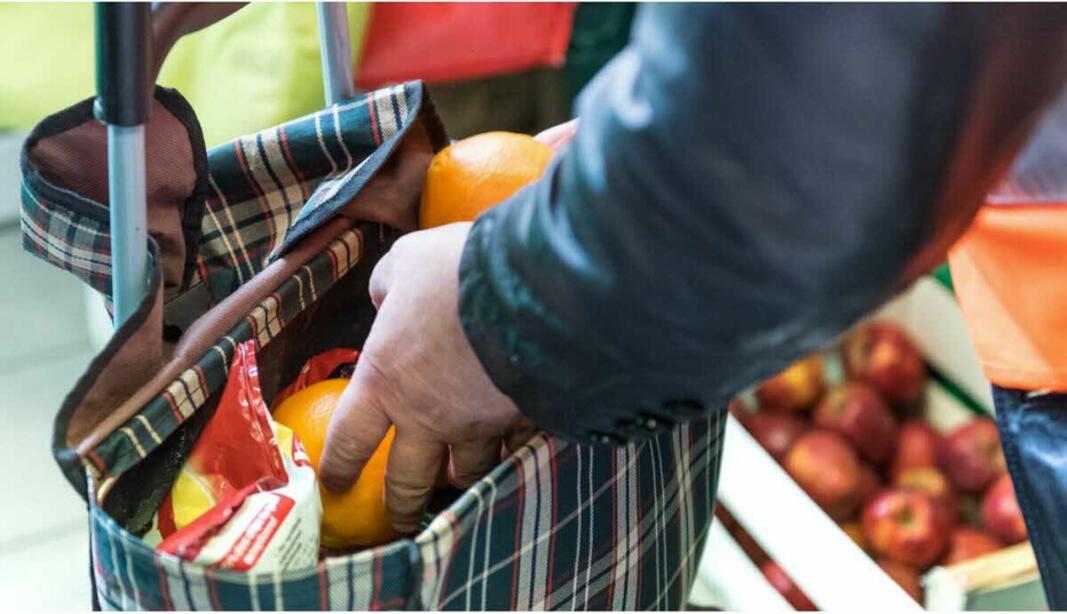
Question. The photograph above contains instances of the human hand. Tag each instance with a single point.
(418, 372)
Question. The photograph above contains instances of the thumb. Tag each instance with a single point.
(356, 429)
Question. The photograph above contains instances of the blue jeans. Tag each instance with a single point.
(1033, 431)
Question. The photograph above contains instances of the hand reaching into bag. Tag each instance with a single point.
(418, 371)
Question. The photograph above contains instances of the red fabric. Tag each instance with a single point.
(437, 41)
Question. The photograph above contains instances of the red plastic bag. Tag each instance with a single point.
(453, 41)
(247, 497)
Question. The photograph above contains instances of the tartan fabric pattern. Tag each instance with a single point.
(134, 440)
(266, 191)
(67, 237)
(556, 526)
(269, 189)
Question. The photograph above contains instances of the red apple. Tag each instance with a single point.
(785, 585)
(882, 354)
(1001, 513)
(905, 576)
(966, 544)
(934, 483)
(854, 530)
(905, 526)
(870, 485)
(856, 412)
(824, 465)
(971, 456)
(794, 390)
(775, 432)
(917, 446)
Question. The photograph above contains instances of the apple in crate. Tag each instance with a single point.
(775, 432)
(917, 445)
(882, 354)
(785, 585)
(854, 530)
(1001, 513)
(824, 465)
(856, 412)
(869, 487)
(905, 526)
(794, 390)
(905, 576)
(966, 543)
(934, 483)
(971, 456)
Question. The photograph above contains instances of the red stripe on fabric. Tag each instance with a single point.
(372, 111)
(169, 398)
(453, 524)
(201, 382)
(376, 593)
(164, 588)
(393, 604)
(324, 582)
(335, 263)
(261, 196)
(212, 590)
(95, 458)
(293, 168)
(519, 506)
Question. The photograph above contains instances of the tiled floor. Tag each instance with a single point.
(43, 349)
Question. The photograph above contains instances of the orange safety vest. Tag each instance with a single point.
(1009, 270)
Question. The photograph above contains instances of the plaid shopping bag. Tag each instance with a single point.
(272, 238)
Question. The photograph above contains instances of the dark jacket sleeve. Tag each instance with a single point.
(746, 183)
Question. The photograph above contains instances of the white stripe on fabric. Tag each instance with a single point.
(311, 284)
(279, 596)
(198, 591)
(128, 432)
(340, 137)
(438, 538)
(527, 520)
(486, 557)
(402, 103)
(592, 519)
(622, 532)
(253, 592)
(362, 584)
(322, 144)
(289, 184)
(544, 478)
(383, 102)
(578, 532)
(175, 586)
(260, 175)
(634, 540)
(149, 428)
(473, 547)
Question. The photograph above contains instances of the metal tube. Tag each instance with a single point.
(336, 52)
(129, 224)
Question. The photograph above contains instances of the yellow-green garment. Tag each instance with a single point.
(255, 69)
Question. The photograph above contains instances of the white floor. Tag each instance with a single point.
(43, 349)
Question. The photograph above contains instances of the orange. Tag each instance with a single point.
(472, 175)
(357, 517)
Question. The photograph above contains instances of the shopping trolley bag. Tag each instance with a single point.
(272, 238)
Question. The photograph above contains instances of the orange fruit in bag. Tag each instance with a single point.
(357, 517)
(472, 175)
